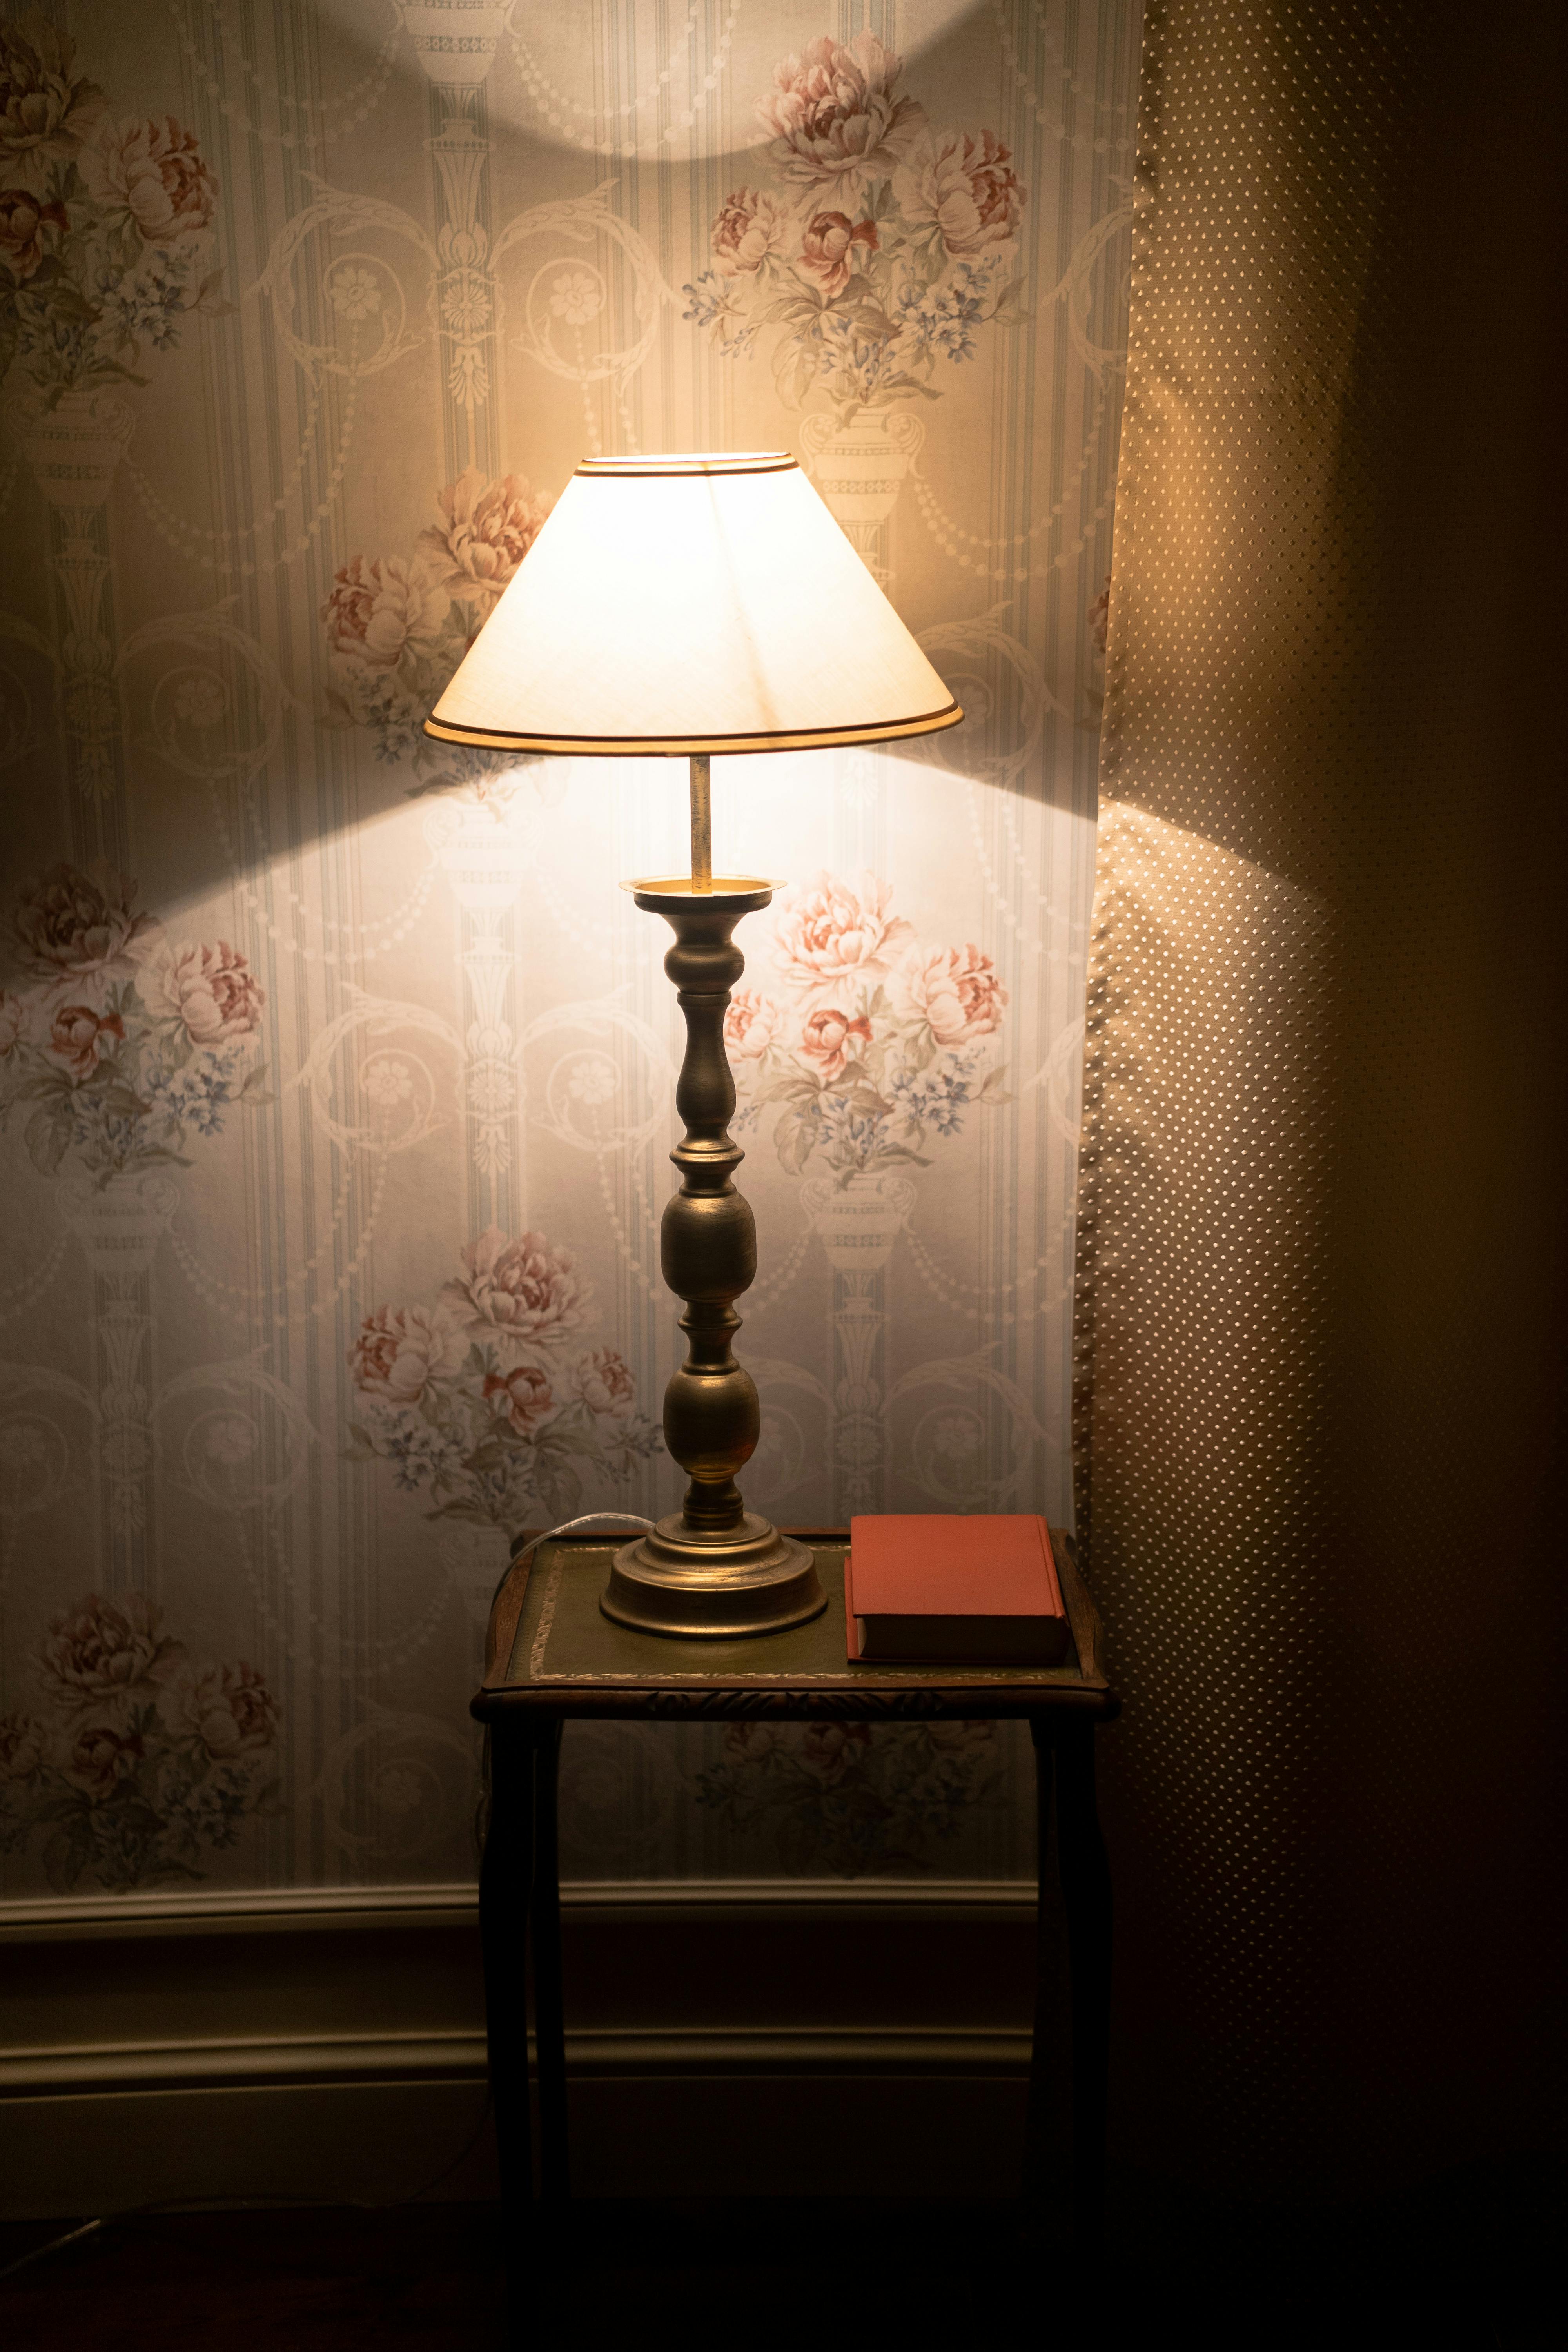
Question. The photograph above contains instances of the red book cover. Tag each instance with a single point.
(932, 1588)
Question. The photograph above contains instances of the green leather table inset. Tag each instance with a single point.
(555, 1650)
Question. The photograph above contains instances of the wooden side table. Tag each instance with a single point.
(550, 1656)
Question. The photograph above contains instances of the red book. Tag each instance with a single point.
(927, 1588)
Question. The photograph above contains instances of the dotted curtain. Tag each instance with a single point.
(1319, 1258)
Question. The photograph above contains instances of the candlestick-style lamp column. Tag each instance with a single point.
(688, 605)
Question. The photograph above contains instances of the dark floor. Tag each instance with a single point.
(1473, 2261)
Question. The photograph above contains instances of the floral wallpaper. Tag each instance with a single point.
(135, 1760)
(335, 1072)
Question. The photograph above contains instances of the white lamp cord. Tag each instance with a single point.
(588, 1519)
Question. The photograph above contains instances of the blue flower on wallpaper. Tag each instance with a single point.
(956, 309)
(936, 1098)
(196, 1094)
(150, 308)
(715, 303)
(422, 1455)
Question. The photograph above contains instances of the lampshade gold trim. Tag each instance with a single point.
(745, 461)
(613, 747)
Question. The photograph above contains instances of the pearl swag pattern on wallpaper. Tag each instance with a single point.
(337, 1134)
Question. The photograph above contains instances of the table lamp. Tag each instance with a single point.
(692, 605)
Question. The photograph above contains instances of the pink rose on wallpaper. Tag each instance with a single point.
(956, 991)
(828, 249)
(832, 113)
(382, 608)
(45, 109)
(751, 1024)
(749, 226)
(828, 1750)
(105, 1650)
(832, 933)
(211, 989)
(830, 1038)
(602, 1379)
(153, 169)
(22, 1744)
(963, 186)
(23, 222)
(140, 1758)
(400, 1349)
(486, 529)
(79, 926)
(520, 1290)
(79, 1038)
(102, 1754)
(529, 1397)
(748, 1743)
(229, 1708)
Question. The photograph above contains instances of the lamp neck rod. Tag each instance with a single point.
(702, 826)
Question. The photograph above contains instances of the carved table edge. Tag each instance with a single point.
(796, 1704)
(801, 1700)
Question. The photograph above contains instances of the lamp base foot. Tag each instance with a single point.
(750, 1581)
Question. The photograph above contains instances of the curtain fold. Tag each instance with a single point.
(1320, 1260)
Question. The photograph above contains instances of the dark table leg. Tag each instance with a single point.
(1086, 1899)
(506, 1886)
(1038, 2127)
(549, 2022)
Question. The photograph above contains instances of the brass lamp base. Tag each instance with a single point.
(755, 1581)
(713, 1568)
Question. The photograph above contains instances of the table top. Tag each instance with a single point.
(551, 1651)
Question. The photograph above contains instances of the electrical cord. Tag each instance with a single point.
(359, 2204)
(588, 1519)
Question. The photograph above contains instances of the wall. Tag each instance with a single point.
(317, 1043)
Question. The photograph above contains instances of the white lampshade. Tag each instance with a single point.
(696, 604)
